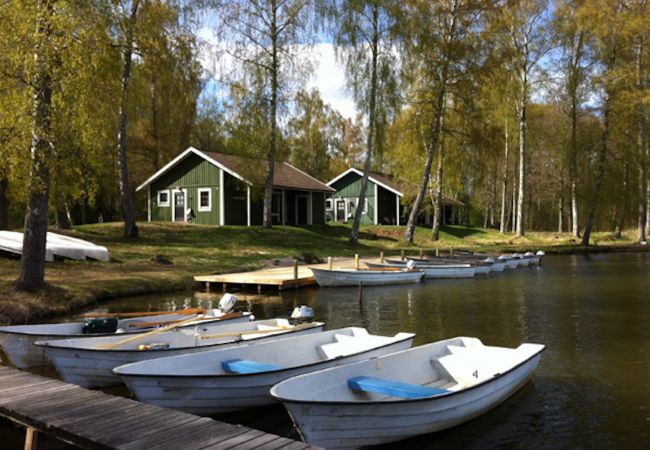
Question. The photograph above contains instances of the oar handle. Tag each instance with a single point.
(143, 313)
(137, 337)
(169, 322)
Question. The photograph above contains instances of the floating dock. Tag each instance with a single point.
(280, 278)
(95, 420)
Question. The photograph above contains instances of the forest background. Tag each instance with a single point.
(532, 113)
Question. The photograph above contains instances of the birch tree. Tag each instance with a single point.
(363, 34)
(269, 40)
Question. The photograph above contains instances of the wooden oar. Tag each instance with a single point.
(243, 333)
(183, 312)
(137, 337)
(168, 322)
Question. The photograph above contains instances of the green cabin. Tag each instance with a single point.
(383, 203)
(216, 189)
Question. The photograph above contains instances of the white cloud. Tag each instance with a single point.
(329, 77)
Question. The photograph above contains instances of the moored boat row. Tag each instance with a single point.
(413, 270)
(343, 388)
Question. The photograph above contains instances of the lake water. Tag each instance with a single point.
(592, 388)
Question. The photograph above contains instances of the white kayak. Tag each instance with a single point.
(432, 270)
(377, 401)
(231, 379)
(17, 341)
(354, 277)
(90, 362)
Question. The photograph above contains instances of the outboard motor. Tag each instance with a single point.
(227, 303)
(410, 265)
(529, 254)
(540, 253)
(489, 260)
(503, 257)
(302, 313)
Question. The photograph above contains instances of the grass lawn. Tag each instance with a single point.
(201, 249)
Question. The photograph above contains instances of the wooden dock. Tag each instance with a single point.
(95, 420)
(281, 278)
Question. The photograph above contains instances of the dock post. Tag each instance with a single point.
(31, 438)
(437, 252)
(381, 257)
(329, 263)
(207, 286)
(451, 251)
(224, 287)
(401, 252)
(421, 253)
(356, 261)
(295, 272)
(259, 289)
(360, 295)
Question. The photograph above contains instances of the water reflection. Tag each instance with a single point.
(592, 388)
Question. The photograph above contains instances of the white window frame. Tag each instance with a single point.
(205, 208)
(329, 204)
(163, 204)
(365, 204)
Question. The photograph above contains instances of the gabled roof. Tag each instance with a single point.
(388, 182)
(383, 180)
(284, 174)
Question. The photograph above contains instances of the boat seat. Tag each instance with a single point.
(392, 388)
(348, 345)
(247, 366)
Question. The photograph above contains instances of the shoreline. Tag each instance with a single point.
(200, 250)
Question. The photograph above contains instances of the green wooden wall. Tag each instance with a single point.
(192, 173)
(349, 187)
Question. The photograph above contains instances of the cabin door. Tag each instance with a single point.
(179, 206)
(340, 210)
(301, 210)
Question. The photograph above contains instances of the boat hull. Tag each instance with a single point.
(354, 425)
(327, 278)
(208, 395)
(449, 272)
(17, 342)
(93, 368)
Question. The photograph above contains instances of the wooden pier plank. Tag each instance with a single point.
(94, 420)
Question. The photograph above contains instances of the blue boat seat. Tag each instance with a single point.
(247, 366)
(392, 388)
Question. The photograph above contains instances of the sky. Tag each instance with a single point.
(328, 76)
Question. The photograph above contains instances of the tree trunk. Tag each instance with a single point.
(32, 267)
(514, 203)
(126, 196)
(522, 154)
(62, 215)
(437, 203)
(600, 171)
(354, 233)
(573, 154)
(560, 215)
(436, 126)
(267, 220)
(641, 149)
(4, 204)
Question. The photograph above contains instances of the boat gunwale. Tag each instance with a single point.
(373, 272)
(248, 375)
(46, 344)
(92, 335)
(405, 400)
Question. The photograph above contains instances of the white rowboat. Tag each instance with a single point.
(353, 277)
(224, 380)
(90, 250)
(377, 401)
(437, 270)
(17, 341)
(90, 362)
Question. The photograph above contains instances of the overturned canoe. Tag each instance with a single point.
(17, 341)
(378, 401)
(90, 250)
(224, 380)
(89, 362)
(353, 277)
